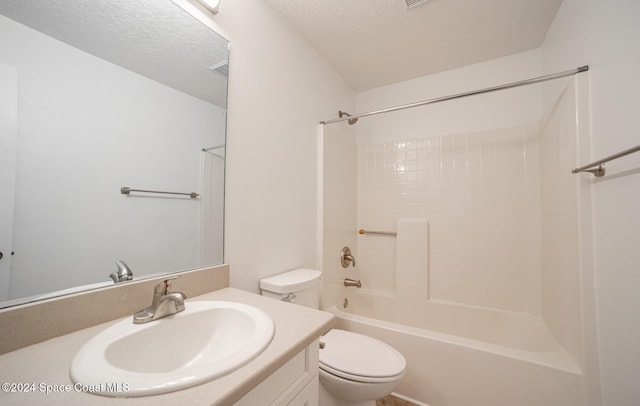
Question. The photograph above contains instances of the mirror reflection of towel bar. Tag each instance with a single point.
(127, 190)
(362, 231)
(214, 147)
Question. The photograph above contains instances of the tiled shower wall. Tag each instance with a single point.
(480, 192)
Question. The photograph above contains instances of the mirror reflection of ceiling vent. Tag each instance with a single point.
(221, 68)
(413, 3)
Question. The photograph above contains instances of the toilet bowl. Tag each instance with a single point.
(355, 369)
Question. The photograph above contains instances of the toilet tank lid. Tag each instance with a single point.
(292, 281)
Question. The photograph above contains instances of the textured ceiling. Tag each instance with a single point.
(372, 43)
(156, 39)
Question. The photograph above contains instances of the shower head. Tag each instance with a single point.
(351, 121)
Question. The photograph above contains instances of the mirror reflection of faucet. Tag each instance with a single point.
(123, 273)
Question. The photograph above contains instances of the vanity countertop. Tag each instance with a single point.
(47, 363)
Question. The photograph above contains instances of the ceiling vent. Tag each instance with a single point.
(221, 68)
(413, 3)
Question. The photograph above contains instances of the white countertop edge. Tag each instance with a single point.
(47, 363)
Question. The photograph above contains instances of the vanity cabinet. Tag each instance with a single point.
(285, 373)
(296, 383)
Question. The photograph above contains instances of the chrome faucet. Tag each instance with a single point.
(165, 303)
(352, 282)
(123, 273)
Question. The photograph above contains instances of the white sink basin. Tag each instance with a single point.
(207, 340)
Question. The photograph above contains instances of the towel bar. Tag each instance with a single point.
(362, 231)
(127, 190)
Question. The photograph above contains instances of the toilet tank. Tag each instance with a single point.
(300, 286)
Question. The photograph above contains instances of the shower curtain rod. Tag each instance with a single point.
(461, 95)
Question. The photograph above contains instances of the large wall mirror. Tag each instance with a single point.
(96, 96)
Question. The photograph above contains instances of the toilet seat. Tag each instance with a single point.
(360, 358)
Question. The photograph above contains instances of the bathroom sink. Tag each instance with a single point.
(209, 339)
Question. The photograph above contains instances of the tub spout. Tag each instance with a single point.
(352, 282)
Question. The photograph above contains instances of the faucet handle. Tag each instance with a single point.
(162, 288)
(167, 284)
(347, 258)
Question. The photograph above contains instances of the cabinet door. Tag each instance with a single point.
(308, 396)
(286, 385)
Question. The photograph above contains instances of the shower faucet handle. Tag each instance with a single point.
(346, 258)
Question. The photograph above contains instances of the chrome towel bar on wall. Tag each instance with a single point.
(127, 190)
(597, 168)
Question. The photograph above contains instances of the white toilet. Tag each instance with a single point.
(355, 369)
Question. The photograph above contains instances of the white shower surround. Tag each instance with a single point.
(486, 359)
(480, 193)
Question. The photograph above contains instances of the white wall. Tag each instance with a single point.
(87, 127)
(279, 89)
(489, 111)
(604, 34)
(560, 271)
(338, 172)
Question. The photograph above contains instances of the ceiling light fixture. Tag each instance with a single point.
(211, 5)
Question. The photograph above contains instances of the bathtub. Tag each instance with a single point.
(467, 356)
